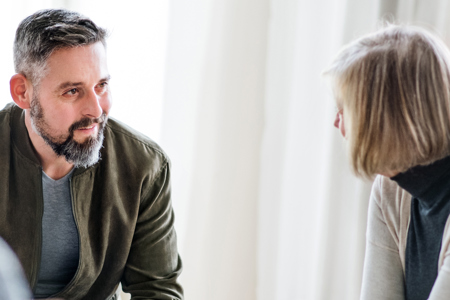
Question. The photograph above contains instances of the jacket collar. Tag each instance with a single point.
(19, 136)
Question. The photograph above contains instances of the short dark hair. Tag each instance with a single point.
(46, 31)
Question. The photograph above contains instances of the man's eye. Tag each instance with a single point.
(72, 92)
(102, 88)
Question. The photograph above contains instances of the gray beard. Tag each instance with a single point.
(83, 154)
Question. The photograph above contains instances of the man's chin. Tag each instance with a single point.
(84, 140)
(84, 154)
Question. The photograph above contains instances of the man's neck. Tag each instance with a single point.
(54, 166)
(57, 171)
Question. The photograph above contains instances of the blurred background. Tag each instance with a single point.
(266, 207)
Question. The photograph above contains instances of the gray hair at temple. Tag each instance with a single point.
(46, 31)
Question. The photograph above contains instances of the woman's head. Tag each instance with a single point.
(393, 87)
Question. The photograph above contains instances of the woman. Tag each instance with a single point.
(392, 90)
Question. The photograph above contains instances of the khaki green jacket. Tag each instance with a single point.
(121, 206)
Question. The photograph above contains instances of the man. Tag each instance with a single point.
(84, 201)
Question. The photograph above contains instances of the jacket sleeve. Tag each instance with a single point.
(154, 265)
(383, 271)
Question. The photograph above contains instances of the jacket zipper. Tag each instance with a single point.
(38, 240)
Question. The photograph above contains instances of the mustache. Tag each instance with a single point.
(86, 122)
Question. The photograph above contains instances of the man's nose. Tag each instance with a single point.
(92, 105)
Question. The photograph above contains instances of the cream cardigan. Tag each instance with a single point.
(387, 230)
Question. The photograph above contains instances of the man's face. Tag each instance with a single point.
(70, 106)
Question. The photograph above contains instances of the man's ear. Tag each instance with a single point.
(21, 91)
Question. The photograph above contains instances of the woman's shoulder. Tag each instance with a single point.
(390, 211)
(389, 195)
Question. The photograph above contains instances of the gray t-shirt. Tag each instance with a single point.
(60, 243)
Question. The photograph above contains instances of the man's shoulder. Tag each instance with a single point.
(7, 110)
(6, 114)
(132, 144)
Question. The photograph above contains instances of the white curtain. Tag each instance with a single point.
(266, 205)
(212, 129)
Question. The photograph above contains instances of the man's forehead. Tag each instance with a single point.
(77, 65)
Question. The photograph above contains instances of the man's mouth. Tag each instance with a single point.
(87, 125)
(87, 128)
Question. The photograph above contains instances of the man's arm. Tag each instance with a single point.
(154, 265)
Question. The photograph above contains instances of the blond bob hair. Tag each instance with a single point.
(394, 89)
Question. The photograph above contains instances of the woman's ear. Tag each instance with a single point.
(20, 90)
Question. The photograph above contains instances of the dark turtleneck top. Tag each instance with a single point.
(429, 187)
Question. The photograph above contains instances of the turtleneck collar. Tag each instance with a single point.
(425, 182)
